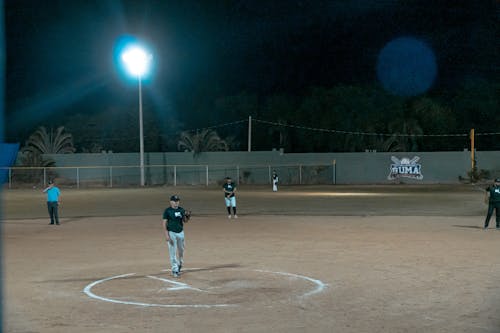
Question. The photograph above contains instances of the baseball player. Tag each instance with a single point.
(275, 181)
(493, 199)
(53, 199)
(174, 218)
(229, 189)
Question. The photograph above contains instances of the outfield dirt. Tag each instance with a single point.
(305, 259)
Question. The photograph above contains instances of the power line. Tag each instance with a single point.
(307, 128)
(217, 126)
(367, 133)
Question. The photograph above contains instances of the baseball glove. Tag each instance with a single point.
(187, 215)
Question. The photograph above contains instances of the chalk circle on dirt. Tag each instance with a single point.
(198, 288)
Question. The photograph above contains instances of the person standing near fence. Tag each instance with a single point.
(493, 199)
(275, 181)
(53, 199)
(174, 218)
(229, 189)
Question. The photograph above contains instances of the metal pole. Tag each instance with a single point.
(249, 133)
(77, 177)
(110, 176)
(472, 149)
(334, 171)
(10, 178)
(207, 174)
(175, 175)
(141, 133)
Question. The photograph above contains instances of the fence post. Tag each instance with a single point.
(300, 174)
(175, 175)
(238, 173)
(110, 176)
(77, 177)
(269, 173)
(44, 176)
(10, 178)
(207, 173)
(334, 172)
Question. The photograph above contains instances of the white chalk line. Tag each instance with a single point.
(88, 290)
(179, 285)
(320, 286)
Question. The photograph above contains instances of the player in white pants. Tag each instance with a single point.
(275, 181)
(229, 189)
(176, 251)
(174, 218)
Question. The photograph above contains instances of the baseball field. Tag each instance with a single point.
(398, 258)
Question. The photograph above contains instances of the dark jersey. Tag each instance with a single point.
(494, 193)
(174, 219)
(229, 188)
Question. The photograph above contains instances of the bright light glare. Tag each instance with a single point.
(136, 60)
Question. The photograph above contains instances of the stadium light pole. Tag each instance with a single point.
(137, 62)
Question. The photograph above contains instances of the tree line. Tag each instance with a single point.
(342, 118)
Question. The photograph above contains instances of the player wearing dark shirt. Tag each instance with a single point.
(229, 189)
(493, 198)
(174, 218)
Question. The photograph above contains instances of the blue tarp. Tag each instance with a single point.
(8, 155)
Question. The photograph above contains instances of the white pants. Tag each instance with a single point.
(176, 249)
(231, 202)
(275, 187)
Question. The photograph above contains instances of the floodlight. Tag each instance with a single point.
(137, 60)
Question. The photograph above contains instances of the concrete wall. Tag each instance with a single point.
(255, 167)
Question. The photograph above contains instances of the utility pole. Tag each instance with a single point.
(249, 133)
(472, 151)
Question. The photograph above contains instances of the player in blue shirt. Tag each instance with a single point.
(53, 199)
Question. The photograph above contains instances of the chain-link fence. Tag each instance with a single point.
(172, 175)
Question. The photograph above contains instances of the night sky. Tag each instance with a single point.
(60, 53)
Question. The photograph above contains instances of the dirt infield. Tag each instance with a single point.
(305, 259)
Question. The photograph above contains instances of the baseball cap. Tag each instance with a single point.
(50, 182)
(174, 198)
(497, 180)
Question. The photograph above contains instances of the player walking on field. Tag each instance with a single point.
(229, 189)
(174, 218)
(53, 198)
(275, 181)
(493, 199)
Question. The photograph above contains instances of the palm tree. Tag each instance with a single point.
(206, 140)
(404, 137)
(43, 142)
